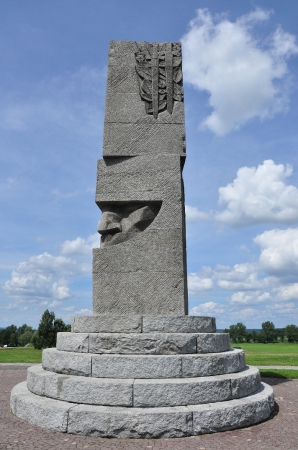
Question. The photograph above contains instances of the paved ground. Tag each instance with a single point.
(280, 432)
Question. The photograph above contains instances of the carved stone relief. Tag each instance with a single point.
(121, 221)
(159, 67)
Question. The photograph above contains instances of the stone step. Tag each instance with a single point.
(143, 343)
(140, 392)
(122, 422)
(143, 366)
(106, 323)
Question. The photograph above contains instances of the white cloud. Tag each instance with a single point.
(80, 246)
(244, 298)
(279, 251)
(193, 215)
(242, 277)
(198, 282)
(41, 277)
(244, 78)
(207, 309)
(259, 195)
(288, 292)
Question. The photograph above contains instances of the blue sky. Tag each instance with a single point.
(240, 62)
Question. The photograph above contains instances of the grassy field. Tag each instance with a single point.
(20, 355)
(270, 354)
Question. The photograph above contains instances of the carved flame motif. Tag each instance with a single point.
(160, 75)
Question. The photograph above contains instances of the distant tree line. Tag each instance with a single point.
(43, 337)
(268, 333)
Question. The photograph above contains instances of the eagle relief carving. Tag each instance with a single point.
(159, 67)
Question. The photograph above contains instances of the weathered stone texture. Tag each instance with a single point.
(107, 323)
(213, 363)
(179, 324)
(130, 422)
(246, 411)
(69, 363)
(213, 342)
(136, 366)
(73, 342)
(41, 411)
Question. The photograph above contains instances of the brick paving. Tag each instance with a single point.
(280, 432)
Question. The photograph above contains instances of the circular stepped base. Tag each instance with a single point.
(143, 366)
(142, 392)
(124, 422)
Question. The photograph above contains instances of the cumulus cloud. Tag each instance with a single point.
(193, 215)
(242, 277)
(42, 277)
(46, 278)
(80, 246)
(245, 78)
(279, 251)
(202, 281)
(288, 292)
(259, 195)
(207, 309)
(244, 298)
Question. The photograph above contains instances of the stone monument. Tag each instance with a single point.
(141, 367)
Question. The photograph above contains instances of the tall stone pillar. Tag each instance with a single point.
(140, 367)
(140, 267)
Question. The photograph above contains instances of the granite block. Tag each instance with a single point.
(127, 107)
(136, 366)
(130, 422)
(106, 323)
(214, 417)
(142, 344)
(73, 342)
(40, 411)
(180, 392)
(69, 363)
(201, 365)
(213, 342)
(179, 324)
(155, 251)
(139, 293)
(132, 139)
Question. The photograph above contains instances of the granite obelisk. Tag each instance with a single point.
(140, 267)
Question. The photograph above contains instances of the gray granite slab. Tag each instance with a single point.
(69, 363)
(179, 324)
(107, 323)
(130, 422)
(41, 411)
(243, 412)
(136, 366)
(132, 139)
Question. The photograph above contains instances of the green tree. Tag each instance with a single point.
(254, 336)
(269, 329)
(238, 332)
(281, 334)
(47, 330)
(291, 332)
(6, 338)
(262, 337)
(248, 337)
(25, 338)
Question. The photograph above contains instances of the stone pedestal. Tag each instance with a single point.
(140, 367)
(142, 377)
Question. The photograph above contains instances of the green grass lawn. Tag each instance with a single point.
(279, 354)
(20, 355)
